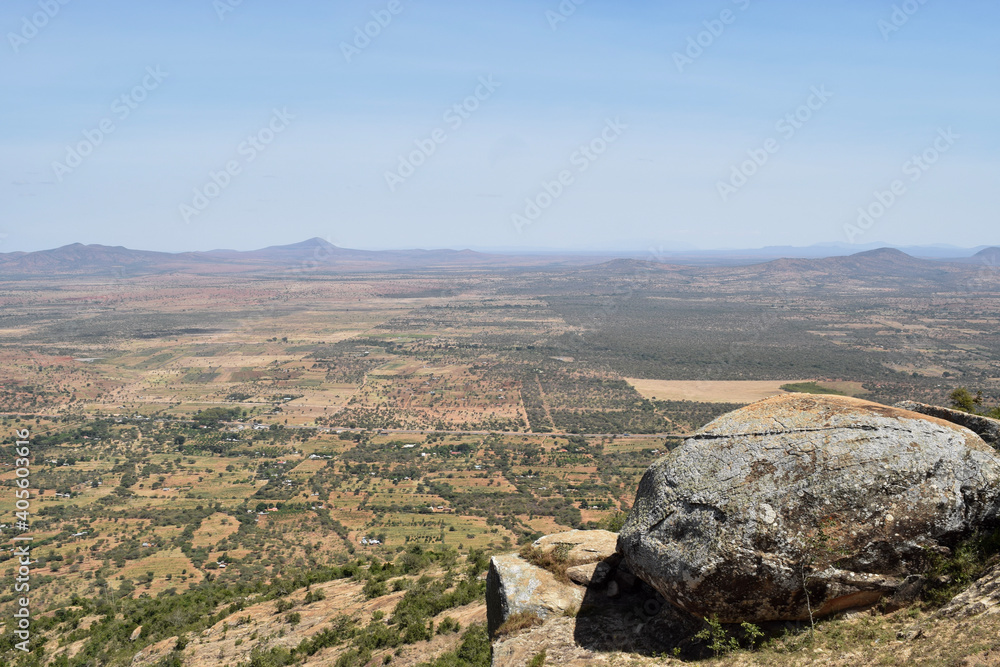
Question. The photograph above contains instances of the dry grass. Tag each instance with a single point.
(882, 640)
(215, 528)
(516, 623)
(554, 560)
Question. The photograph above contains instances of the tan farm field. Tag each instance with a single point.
(709, 391)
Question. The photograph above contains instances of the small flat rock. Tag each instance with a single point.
(585, 546)
(556, 638)
(590, 574)
(631, 630)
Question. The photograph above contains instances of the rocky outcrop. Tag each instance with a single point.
(591, 574)
(804, 505)
(515, 586)
(983, 597)
(602, 615)
(560, 639)
(986, 428)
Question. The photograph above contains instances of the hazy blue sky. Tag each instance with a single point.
(886, 82)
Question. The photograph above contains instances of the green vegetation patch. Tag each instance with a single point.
(811, 388)
(970, 560)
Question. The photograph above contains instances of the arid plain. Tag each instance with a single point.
(214, 447)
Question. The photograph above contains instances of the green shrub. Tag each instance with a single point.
(474, 651)
(721, 642)
(375, 588)
(448, 625)
(950, 575)
(613, 522)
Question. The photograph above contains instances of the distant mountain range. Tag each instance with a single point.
(819, 251)
(883, 267)
(314, 255)
(319, 256)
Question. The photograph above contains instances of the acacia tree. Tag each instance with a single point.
(962, 399)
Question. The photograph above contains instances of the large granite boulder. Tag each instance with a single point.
(804, 504)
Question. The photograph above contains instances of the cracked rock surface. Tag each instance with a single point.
(986, 428)
(983, 597)
(804, 503)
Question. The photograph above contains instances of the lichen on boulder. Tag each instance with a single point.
(804, 505)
